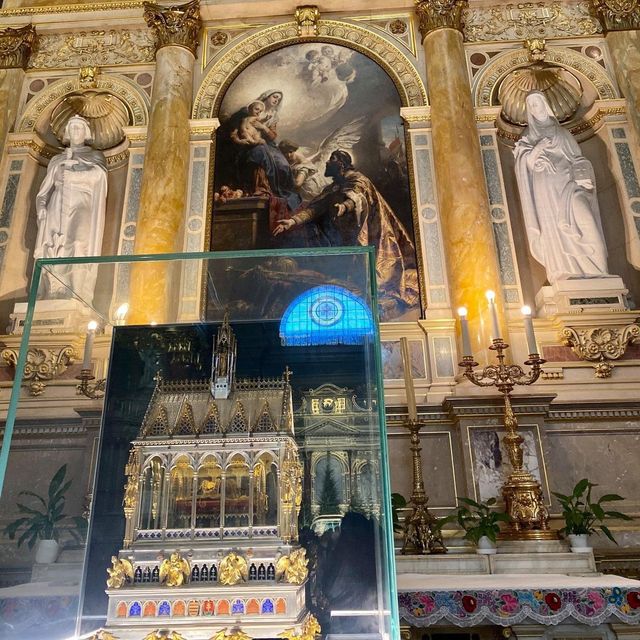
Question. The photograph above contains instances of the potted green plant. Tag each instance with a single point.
(583, 516)
(481, 523)
(42, 518)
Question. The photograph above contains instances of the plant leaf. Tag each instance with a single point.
(580, 488)
(608, 533)
(57, 480)
(610, 497)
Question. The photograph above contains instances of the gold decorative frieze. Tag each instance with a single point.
(120, 573)
(177, 26)
(42, 365)
(307, 17)
(99, 47)
(440, 14)
(16, 46)
(530, 20)
(175, 570)
(618, 15)
(601, 344)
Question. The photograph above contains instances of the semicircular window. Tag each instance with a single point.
(326, 315)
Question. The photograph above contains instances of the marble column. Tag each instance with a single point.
(166, 163)
(621, 23)
(460, 183)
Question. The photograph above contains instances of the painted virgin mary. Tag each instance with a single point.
(559, 203)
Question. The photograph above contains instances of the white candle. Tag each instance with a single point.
(495, 325)
(528, 327)
(464, 326)
(88, 344)
(408, 380)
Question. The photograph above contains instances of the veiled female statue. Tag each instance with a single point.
(558, 196)
(70, 206)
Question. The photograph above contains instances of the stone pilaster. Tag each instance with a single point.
(166, 164)
(621, 22)
(460, 183)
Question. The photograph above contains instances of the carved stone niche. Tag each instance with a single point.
(16, 46)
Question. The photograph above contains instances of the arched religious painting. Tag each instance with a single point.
(311, 153)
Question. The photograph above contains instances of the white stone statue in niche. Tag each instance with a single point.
(558, 196)
(70, 206)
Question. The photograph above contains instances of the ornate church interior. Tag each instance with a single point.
(320, 321)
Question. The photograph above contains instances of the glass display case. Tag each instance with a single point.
(199, 443)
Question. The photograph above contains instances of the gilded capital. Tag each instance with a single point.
(16, 46)
(177, 26)
(617, 15)
(440, 14)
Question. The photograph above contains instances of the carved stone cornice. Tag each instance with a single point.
(440, 14)
(600, 344)
(16, 46)
(617, 15)
(177, 26)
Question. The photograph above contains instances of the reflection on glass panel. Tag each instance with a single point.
(208, 495)
(236, 502)
(180, 495)
(329, 485)
(265, 492)
(152, 495)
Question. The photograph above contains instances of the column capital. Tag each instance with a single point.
(177, 26)
(617, 15)
(16, 46)
(440, 14)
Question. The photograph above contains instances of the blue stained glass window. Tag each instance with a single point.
(326, 315)
(164, 609)
(135, 609)
(237, 607)
(267, 606)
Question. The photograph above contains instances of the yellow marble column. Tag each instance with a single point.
(166, 161)
(621, 22)
(462, 194)
(15, 49)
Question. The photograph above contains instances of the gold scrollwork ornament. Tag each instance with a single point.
(120, 572)
(42, 365)
(293, 567)
(233, 569)
(177, 26)
(174, 570)
(601, 345)
(440, 14)
(618, 15)
(307, 17)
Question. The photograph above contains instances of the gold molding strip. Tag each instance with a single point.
(71, 8)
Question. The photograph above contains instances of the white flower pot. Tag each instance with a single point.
(47, 551)
(486, 546)
(579, 542)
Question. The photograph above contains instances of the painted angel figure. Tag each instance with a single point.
(308, 165)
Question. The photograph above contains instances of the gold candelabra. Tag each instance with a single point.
(522, 493)
(94, 391)
(421, 532)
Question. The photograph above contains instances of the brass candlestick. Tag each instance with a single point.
(94, 391)
(521, 491)
(421, 533)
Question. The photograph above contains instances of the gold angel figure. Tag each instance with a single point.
(310, 630)
(119, 573)
(235, 634)
(233, 569)
(293, 568)
(101, 634)
(164, 634)
(175, 570)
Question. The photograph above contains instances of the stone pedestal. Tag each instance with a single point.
(582, 296)
(52, 316)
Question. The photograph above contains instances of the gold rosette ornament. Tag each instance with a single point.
(293, 568)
